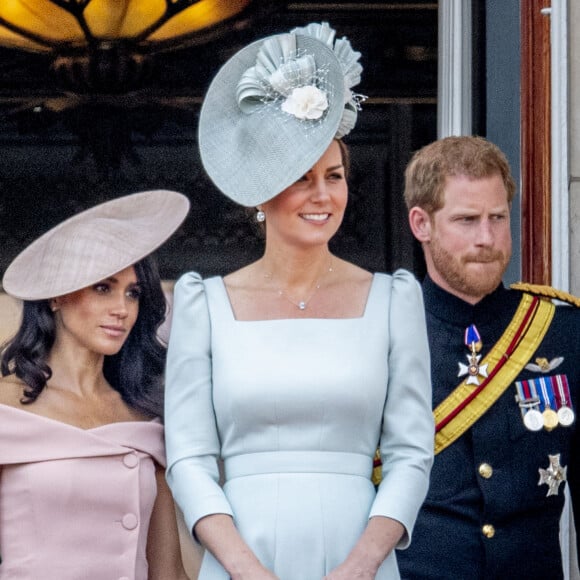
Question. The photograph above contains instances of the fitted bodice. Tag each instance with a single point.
(297, 408)
(298, 384)
(75, 503)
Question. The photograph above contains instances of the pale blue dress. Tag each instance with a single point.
(296, 409)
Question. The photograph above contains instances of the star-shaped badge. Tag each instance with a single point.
(473, 369)
(554, 475)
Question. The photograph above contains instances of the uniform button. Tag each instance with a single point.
(488, 531)
(485, 470)
(130, 460)
(129, 521)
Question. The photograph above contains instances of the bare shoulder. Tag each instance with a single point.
(245, 290)
(348, 291)
(11, 391)
(245, 278)
(351, 273)
(245, 285)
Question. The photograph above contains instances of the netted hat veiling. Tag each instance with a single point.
(273, 109)
(95, 244)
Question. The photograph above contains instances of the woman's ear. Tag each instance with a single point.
(420, 222)
(54, 304)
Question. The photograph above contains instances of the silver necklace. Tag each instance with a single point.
(300, 304)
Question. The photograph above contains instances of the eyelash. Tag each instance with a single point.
(101, 288)
(333, 176)
(134, 293)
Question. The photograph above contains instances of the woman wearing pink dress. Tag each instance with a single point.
(82, 489)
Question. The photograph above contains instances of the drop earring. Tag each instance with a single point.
(260, 216)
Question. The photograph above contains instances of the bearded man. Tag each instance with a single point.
(505, 370)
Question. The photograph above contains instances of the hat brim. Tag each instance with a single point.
(252, 157)
(95, 244)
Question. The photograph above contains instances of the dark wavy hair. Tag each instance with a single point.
(136, 371)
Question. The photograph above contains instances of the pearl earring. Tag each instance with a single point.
(260, 216)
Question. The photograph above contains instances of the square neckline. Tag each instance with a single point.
(369, 298)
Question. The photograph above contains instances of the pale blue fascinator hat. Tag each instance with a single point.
(274, 108)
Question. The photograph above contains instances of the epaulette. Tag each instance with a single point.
(547, 292)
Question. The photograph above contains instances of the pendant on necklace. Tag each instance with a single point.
(474, 370)
(301, 304)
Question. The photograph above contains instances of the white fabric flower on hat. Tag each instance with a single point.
(307, 102)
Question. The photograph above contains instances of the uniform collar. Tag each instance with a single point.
(448, 307)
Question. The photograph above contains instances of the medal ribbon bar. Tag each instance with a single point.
(466, 404)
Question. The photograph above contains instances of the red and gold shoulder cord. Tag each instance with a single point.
(466, 404)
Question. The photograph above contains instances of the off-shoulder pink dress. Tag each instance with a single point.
(75, 504)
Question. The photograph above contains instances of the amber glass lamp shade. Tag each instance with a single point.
(103, 45)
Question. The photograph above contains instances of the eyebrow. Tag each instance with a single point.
(115, 280)
(333, 168)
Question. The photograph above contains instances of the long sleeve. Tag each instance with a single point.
(407, 432)
(192, 439)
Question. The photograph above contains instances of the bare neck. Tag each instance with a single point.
(76, 369)
(296, 268)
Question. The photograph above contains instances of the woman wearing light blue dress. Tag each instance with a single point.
(294, 369)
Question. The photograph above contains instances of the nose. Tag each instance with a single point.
(485, 235)
(319, 190)
(119, 308)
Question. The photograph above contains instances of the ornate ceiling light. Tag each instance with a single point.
(104, 45)
(105, 56)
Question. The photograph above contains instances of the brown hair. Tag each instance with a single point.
(345, 157)
(473, 157)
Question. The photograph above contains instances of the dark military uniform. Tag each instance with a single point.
(485, 516)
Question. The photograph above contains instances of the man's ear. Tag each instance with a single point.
(420, 223)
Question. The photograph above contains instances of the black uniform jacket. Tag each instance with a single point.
(485, 516)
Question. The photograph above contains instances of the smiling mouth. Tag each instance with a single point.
(315, 217)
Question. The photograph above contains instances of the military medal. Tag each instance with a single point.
(545, 402)
(565, 414)
(529, 404)
(533, 420)
(473, 369)
(550, 416)
(554, 475)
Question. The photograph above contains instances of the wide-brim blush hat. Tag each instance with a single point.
(95, 244)
(273, 109)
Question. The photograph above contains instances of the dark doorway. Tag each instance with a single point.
(60, 154)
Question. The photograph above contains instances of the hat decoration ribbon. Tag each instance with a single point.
(283, 76)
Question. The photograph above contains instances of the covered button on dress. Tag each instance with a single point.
(75, 503)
